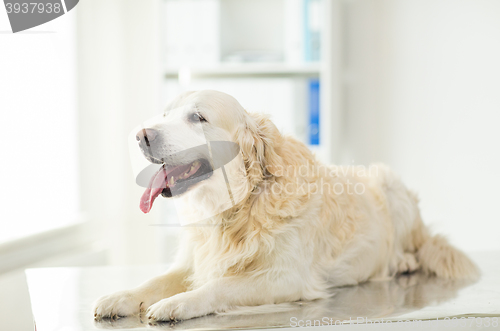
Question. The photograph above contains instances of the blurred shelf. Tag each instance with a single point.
(249, 70)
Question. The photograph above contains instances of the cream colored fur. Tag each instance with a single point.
(280, 246)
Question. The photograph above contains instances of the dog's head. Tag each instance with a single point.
(183, 141)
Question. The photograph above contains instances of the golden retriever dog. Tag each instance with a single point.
(296, 227)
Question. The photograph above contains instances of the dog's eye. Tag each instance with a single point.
(196, 117)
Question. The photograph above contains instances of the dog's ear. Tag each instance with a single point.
(260, 142)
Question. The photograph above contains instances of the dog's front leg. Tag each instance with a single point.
(130, 302)
(215, 296)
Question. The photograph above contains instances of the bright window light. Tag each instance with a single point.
(38, 131)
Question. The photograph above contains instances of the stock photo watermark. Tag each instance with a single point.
(310, 179)
(448, 322)
(26, 14)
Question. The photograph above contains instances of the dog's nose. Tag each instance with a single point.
(146, 135)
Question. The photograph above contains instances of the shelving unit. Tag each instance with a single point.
(249, 70)
(260, 25)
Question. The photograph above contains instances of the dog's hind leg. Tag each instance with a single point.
(408, 264)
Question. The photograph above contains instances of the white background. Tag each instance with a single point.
(38, 127)
(423, 95)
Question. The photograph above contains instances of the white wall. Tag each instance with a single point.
(119, 87)
(423, 95)
(37, 126)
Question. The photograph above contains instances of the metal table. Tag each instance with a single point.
(61, 300)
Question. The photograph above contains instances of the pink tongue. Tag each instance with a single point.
(156, 185)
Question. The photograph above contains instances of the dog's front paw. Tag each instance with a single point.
(123, 303)
(176, 308)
